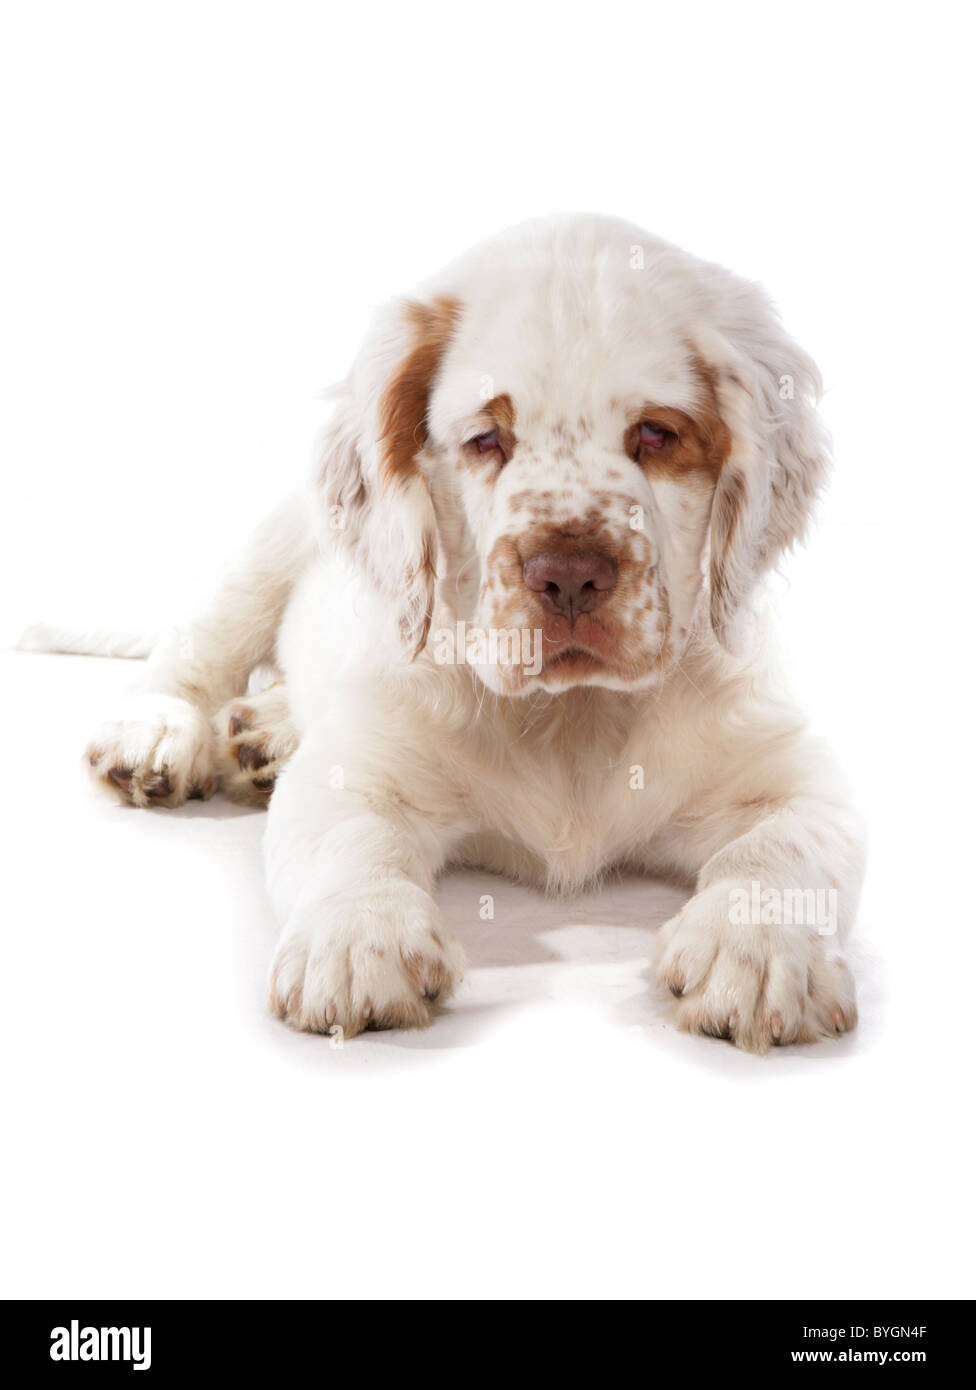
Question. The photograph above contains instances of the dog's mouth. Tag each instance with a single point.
(589, 651)
(583, 641)
(578, 654)
(572, 665)
(557, 651)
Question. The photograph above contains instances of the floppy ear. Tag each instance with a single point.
(376, 499)
(767, 390)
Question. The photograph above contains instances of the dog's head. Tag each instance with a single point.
(580, 434)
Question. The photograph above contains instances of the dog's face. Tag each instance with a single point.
(575, 500)
(584, 445)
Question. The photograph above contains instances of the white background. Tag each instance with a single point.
(201, 205)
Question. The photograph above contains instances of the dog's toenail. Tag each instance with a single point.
(717, 1030)
(121, 776)
(263, 784)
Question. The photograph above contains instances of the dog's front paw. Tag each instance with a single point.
(373, 960)
(255, 739)
(158, 751)
(756, 985)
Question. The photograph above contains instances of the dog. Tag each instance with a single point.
(513, 624)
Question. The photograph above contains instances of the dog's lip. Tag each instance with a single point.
(593, 642)
(573, 662)
(568, 652)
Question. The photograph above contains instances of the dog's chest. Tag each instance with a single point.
(578, 811)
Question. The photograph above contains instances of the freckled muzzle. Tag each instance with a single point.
(590, 588)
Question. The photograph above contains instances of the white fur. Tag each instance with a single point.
(404, 766)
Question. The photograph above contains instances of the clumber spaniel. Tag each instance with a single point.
(512, 621)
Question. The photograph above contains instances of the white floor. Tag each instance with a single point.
(550, 1135)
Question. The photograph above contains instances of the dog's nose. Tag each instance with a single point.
(571, 583)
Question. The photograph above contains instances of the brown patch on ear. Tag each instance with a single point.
(414, 628)
(403, 406)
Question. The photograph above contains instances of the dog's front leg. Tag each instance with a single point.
(158, 747)
(756, 955)
(351, 874)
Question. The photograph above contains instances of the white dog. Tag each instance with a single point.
(512, 624)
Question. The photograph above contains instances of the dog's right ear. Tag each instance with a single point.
(374, 495)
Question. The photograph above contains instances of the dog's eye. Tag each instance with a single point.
(494, 446)
(484, 443)
(654, 436)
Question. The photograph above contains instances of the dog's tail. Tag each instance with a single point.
(42, 637)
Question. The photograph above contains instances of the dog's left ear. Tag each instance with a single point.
(767, 390)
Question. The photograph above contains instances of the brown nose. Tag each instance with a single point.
(571, 583)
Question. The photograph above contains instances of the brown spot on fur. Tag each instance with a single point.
(519, 500)
(693, 446)
(701, 442)
(403, 406)
(496, 414)
(502, 410)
